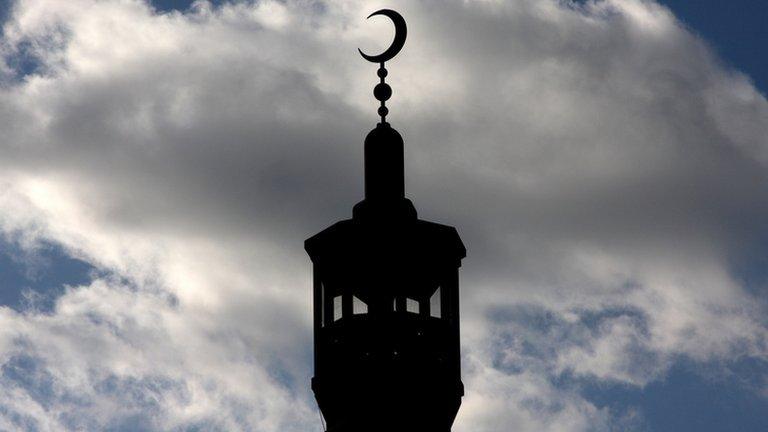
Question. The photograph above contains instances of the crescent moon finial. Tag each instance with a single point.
(383, 91)
(401, 31)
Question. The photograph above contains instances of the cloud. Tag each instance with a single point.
(602, 165)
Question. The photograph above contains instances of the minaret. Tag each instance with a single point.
(386, 299)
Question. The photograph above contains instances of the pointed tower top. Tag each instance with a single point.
(384, 164)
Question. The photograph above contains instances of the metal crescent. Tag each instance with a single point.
(401, 31)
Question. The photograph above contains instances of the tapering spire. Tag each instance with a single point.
(384, 147)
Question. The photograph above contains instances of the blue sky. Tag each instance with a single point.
(177, 200)
(735, 29)
(45, 272)
(692, 397)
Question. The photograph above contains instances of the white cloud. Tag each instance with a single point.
(601, 164)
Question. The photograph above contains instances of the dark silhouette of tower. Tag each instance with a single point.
(386, 300)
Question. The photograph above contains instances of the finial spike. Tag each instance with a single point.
(383, 91)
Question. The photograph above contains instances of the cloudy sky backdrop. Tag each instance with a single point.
(161, 165)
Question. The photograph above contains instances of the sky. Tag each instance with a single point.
(605, 162)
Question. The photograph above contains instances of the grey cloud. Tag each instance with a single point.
(596, 158)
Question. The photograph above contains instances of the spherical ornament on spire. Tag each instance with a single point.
(382, 92)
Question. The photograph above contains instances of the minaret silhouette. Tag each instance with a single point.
(386, 300)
